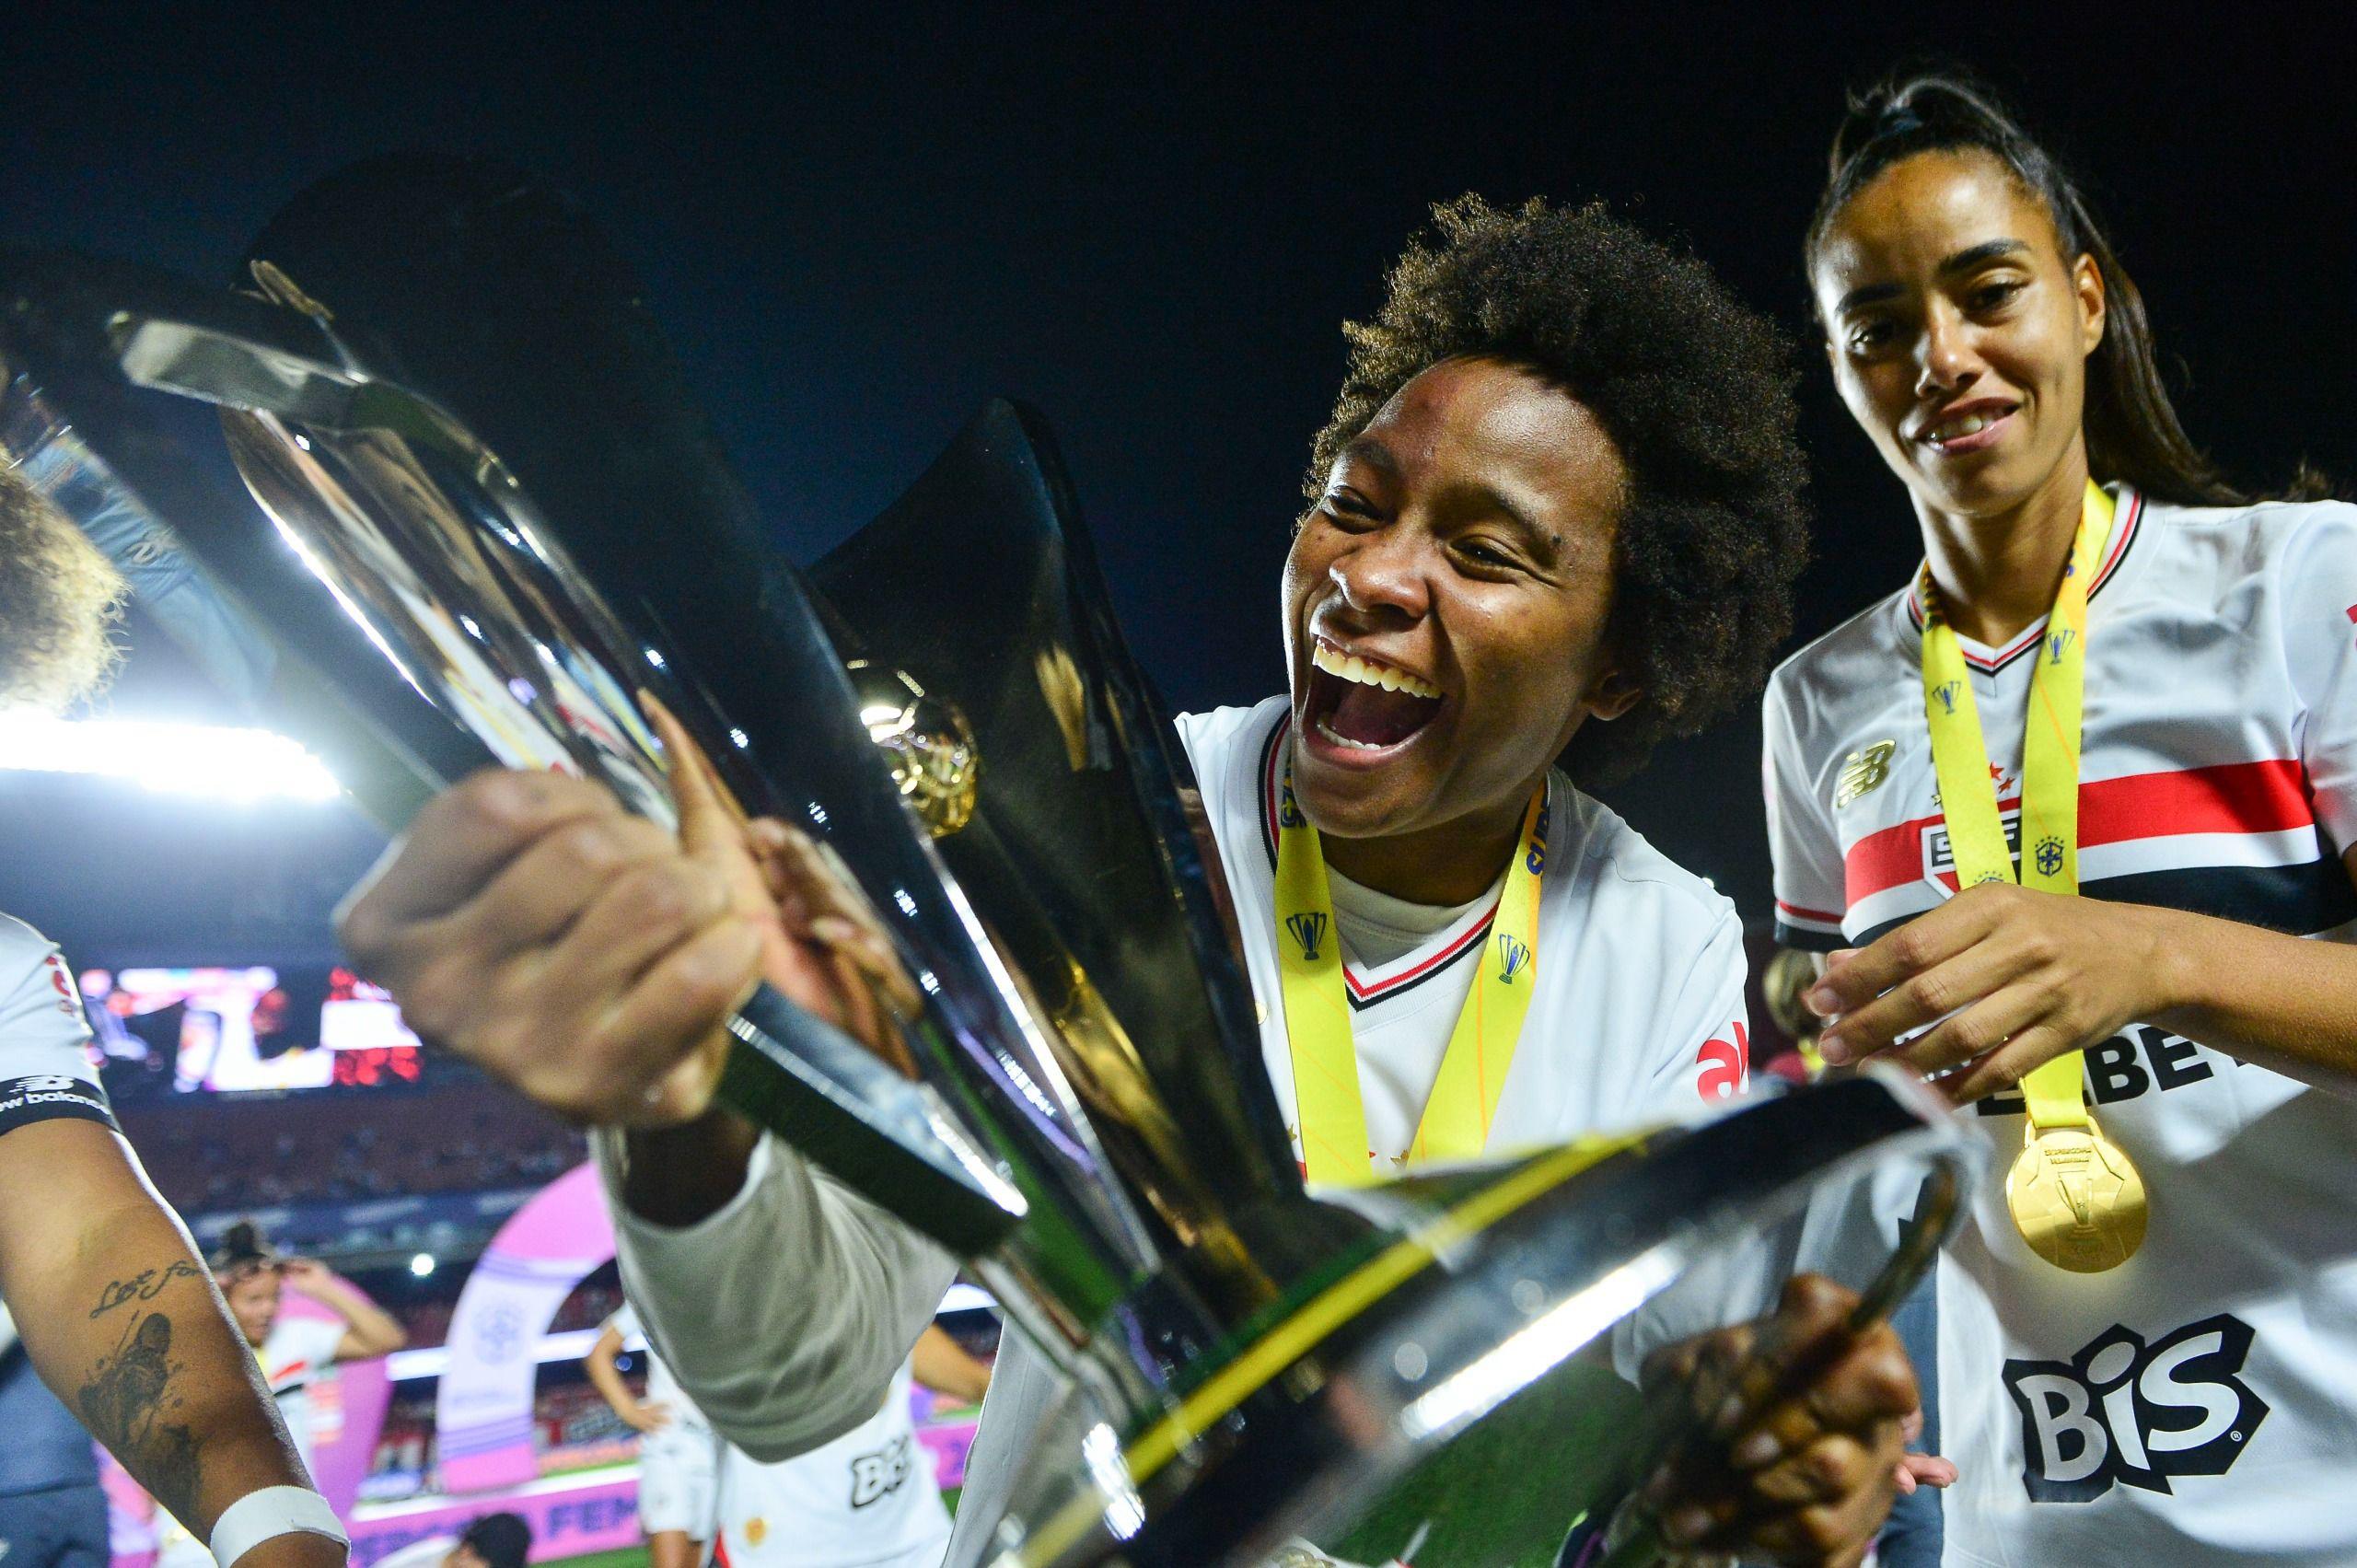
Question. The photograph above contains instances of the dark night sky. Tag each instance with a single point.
(1149, 225)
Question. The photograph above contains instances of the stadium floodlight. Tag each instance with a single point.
(422, 1265)
(214, 761)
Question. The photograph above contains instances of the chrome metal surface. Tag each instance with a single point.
(499, 521)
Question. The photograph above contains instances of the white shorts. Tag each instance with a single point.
(675, 1485)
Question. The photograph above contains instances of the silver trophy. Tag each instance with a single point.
(489, 516)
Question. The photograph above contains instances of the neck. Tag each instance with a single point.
(1453, 862)
(1999, 572)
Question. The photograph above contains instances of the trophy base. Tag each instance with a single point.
(1460, 1390)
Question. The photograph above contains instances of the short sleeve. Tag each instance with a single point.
(321, 1339)
(1802, 845)
(2314, 572)
(45, 1067)
(1710, 1061)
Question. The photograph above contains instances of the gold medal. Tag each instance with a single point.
(2076, 1199)
(2074, 1196)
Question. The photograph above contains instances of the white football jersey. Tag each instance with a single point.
(295, 1354)
(866, 1500)
(1639, 1014)
(46, 1068)
(2199, 1401)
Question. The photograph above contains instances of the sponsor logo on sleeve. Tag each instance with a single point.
(1725, 1063)
(2129, 1413)
(44, 1096)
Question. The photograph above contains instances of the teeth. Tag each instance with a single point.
(1328, 731)
(1349, 667)
(1970, 425)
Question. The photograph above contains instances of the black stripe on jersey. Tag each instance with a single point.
(2301, 899)
(1263, 783)
(47, 1096)
(1472, 943)
(1809, 941)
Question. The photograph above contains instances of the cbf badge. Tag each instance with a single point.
(1862, 773)
(2076, 1199)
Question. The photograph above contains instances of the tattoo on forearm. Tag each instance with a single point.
(144, 1285)
(128, 1404)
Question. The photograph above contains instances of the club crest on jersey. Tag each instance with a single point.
(1946, 692)
(1513, 957)
(1863, 771)
(1939, 850)
(2058, 643)
(2125, 1412)
(1308, 930)
(2050, 856)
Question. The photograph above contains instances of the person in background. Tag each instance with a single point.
(115, 1308)
(868, 1498)
(295, 1350)
(493, 1540)
(53, 1511)
(678, 1455)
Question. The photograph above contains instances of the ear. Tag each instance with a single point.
(2086, 282)
(1612, 695)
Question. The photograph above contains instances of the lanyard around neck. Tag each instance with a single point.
(1464, 1099)
(2049, 799)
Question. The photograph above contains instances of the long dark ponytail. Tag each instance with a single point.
(2132, 427)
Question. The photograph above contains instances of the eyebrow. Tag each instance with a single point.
(1543, 541)
(1374, 454)
(1963, 261)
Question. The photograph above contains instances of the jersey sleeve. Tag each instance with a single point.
(45, 1066)
(1709, 1061)
(2316, 590)
(1802, 845)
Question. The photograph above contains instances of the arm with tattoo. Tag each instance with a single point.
(124, 1322)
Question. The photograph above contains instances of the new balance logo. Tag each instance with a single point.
(1308, 931)
(2125, 1412)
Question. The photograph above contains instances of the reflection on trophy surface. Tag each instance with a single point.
(486, 475)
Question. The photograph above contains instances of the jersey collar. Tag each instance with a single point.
(2127, 516)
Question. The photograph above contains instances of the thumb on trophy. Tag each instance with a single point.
(821, 945)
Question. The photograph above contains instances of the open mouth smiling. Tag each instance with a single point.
(1363, 708)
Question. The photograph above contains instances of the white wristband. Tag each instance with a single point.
(274, 1511)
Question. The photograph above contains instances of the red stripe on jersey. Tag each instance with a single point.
(2232, 797)
(1805, 914)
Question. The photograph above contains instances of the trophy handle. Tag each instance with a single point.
(101, 343)
(823, 1092)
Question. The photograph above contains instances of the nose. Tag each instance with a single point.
(1383, 577)
(1946, 362)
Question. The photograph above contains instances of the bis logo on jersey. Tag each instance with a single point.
(2137, 1414)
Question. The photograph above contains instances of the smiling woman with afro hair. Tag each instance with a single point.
(1693, 387)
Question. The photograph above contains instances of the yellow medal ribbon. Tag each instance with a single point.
(1464, 1099)
(2074, 1196)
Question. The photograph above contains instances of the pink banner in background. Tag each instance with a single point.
(483, 1412)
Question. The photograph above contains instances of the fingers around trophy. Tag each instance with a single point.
(456, 844)
(643, 911)
(674, 1009)
(562, 875)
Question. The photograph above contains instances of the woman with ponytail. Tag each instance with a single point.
(2059, 813)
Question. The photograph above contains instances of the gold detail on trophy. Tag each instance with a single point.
(1862, 773)
(2076, 1199)
(1067, 697)
(930, 748)
(279, 289)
